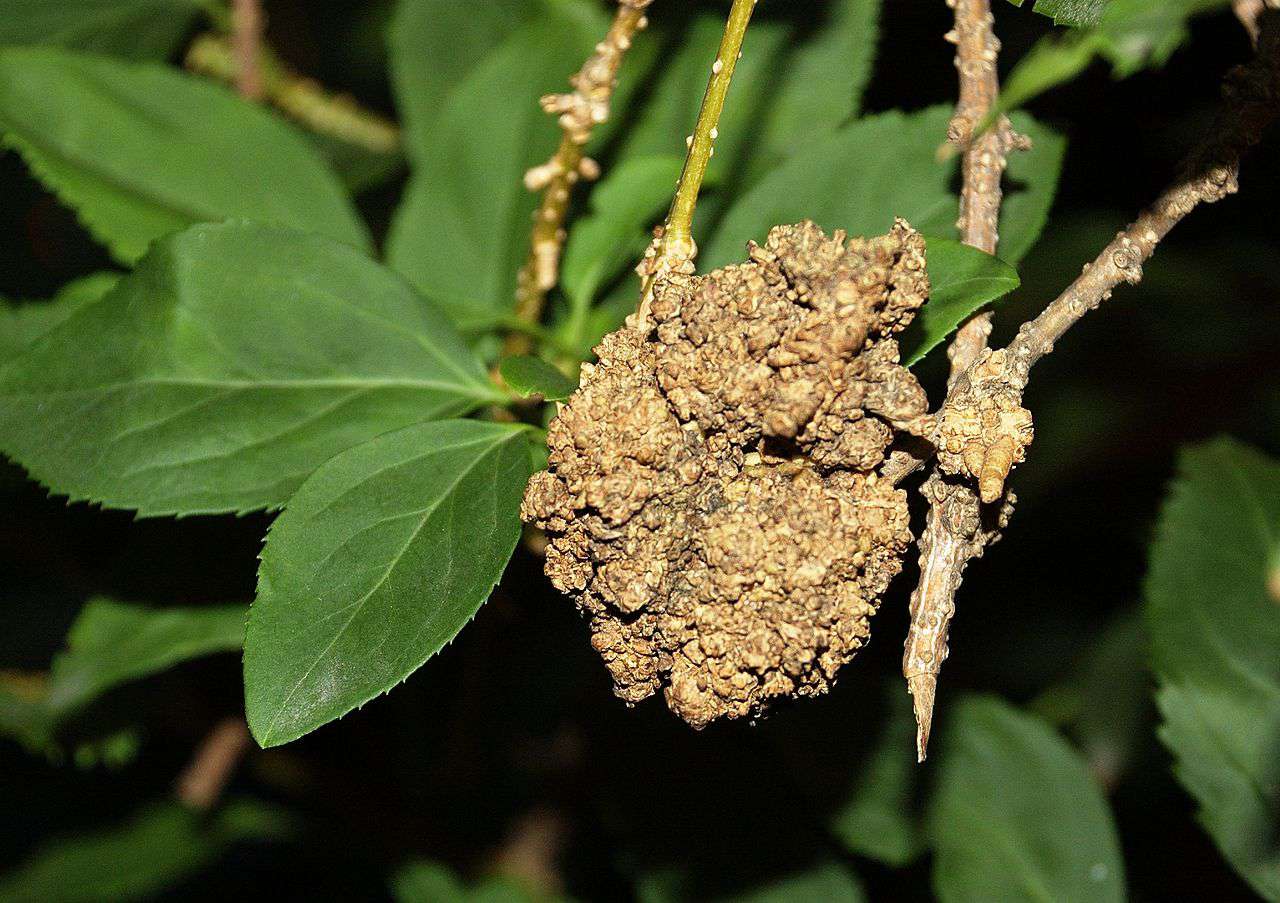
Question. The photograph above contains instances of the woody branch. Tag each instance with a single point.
(954, 532)
(982, 428)
(579, 112)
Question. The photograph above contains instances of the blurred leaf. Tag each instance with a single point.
(1105, 701)
(24, 715)
(140, 151)
(1076, 13)
(1015, 815)
(819, 86)
(603, 317)
(1131, 35)
(357, 167)
(230, 364)
(112, 750)
(1140, 34)
(1054, 60)
(158, 848)
(377, 562)
(112, 643)
(858, 179)
(963, 280)
(623, 207)
(432, 882)
(877, 820)
(21, 324)
(435, 44)
(462, 230)
(528, 375)
(825, 880)
(1031, 185)
(1213, 609)
(135, 29)
(862, 176)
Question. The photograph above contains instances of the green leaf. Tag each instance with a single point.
(820, 85)
(858, 179)
(1076, 13)
(431, 882)
(1105, 701)
(1051, 62)
(227, 367)
(1139, 34)
(1213, 611)
(462, 230)
(435, 44)
(377, 562)
(825, 880)
(25, 717)
(1031, 184)
(142, 150)
(158, 848)
(21, 324)
(877, 819)
(1130, 34)
(135, 29)
(358, 168)
(528, 375)
(623, 207)
(963, 280)
(110, 644)
(862, 176)
(604, 317)
(1015, 815)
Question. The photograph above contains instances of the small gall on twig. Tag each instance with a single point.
(247, 27)
(983, 430)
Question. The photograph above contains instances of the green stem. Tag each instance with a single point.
(679, 226)
(673, 251)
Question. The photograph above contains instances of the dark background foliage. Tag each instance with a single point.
(511, 736)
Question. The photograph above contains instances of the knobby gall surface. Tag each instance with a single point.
(712, 500)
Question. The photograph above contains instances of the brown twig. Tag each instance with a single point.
(302, 99)
(992, 386)
(247, 26)
(952, 535)
(1248, 11)
(531, 850)
(580, 111)
(1251, 102)
(205, 777)
(977, 50)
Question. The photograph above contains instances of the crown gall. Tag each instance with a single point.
(983, 431)
(711, 498)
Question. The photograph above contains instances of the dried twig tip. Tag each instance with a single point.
(922, 688)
